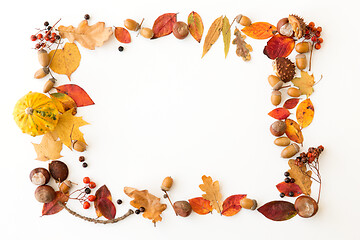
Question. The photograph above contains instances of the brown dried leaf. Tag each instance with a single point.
(212, 35)
(242, 48)
(151, 203)
(48, 149)
(301, 176)
(54, 207)
(212, 193)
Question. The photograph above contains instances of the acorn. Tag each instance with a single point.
(302, 47)
(276, 97)
(275, 82)
(301, 61)
(78, 146)
(294, 92)
(306, 206)
(248, 203)
(65, 186)
(243, 20)
(284, 68)
(290, 151)
(49, 85)
(278, 128)
(167, 184)
(131, 25)
(43, 57)
(45, 194)
(147, 33)
(39, 176)
(42, 72)
(298, 25)
(58, 170)
(282, 141)
(182, 208)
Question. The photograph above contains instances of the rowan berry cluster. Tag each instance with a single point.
(46, 36)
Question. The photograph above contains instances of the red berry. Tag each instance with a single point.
(52, 40)
(313, 38)
(33, 38)
(311, 24)
(320, 40)
(86, 205)
(37, 46)
(46, 38)
(318, 34)
(319, 29)
(92, 185)
(86, 180)
(39, 36)
(317, 46)
(91, 198)
(53, 34)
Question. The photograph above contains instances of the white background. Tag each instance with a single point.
(162, 111)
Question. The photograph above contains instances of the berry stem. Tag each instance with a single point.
(167, 196)
(311, 53)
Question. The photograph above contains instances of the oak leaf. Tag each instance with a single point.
(66, 60)
(68, 128)
(242, 48)
(226, 33)
(196, 26)
(164, 25)
(48, 149)
(305, 83)
(151, 203)
(305, 113)
(212, 35)
(278, 210)
(279, 46)
(212, 193)
(293, 131)
(301, 176)
(88, 36)
(200, 205)
(260, 30)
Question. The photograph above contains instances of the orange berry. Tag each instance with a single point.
(86, 180)
(91, 198)
(92, 185)
(86, 205)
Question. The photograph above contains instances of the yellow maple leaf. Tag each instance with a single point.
(305, 83)
(66, 60)
(68, 128)
(48, 149)
(212, 193)
(88, 36)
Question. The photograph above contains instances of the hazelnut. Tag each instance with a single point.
(79, 146)
(58, 170)
(166, 184)
(65, 186)
(39, 176)
(45, 194)
(180, 30)
(284, 27)
(306, 206)
(182, 208)
(248, 203)
(278, 128)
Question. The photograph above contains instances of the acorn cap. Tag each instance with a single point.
(298, 25)
(284, 68)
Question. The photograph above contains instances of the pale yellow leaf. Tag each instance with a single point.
(212, 193)
(48, 149)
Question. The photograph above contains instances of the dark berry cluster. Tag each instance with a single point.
(310, 156)
(314, 34)
(45, 37)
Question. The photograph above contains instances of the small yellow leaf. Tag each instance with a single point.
(212, 35)
(212, 193)
(305, 83)
(226, 35)
(48, 149)
(66, 60)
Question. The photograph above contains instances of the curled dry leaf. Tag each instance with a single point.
(279, 113)
(66, 60)
(305, 113)
(48, 149)
(226, 35)
(286, 188)
(242, 48)
(88, 36)
(291, 103)
(278, 210)
(122, 35)
(196, 26)
(260, 30)
(54, 207)
(279, 46)
(212, 35)
(293, 131)
(305, 83)
(164, 24)
(103, 207)
(63, 102)
(231, 205)
(200, 205)
(78, 94)
(151, 203)
(301, 176)
(212, 193)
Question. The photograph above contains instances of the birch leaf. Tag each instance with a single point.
(226, 33)
(212, 193)
(212, 35)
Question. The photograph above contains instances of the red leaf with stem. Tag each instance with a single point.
(102, 193)
(164, 24)
(107, 208)
(122, 35)
(278, 210)
(279, 113)
(231, 205)
(78, 94)
(54, 207)
(279, 46)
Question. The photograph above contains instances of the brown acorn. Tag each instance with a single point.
(43, 57)
(58, 170)
(79, 146)
(42, 72)
(65, 186)
(49, 85)
(284, 68)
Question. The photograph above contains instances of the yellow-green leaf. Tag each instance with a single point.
(305, 83)
(196, 26)
(226, 35)
(212, 35)
(305, 113)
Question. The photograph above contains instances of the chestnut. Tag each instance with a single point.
(278, 128)
(39, 176)
(284, 27)
(182, 208)
(306, 206)
(45, 194)
(180, 30)
(58, 170)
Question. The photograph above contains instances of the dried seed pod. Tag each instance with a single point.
(166, 184)
(58, 170)
(131, 25)
(302, 47)
(275, 82)
(301, 61)
(248, 203)
(49, 85)
(147, 33)
(39, 176)
(276, 97)
(293, 92)
(79, 146)
(284, 68)
(298, 25)
(290, 151)
(182, 208)
(306, 206)
(42, 72)
(45, 194)
(278, 128)
(282, 141)
(243, 20)
(43, 57)
(65, 186)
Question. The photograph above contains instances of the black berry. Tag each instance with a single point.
(46, 23)
(81, 158)
(287, 180)
(121, 48)
(87, 190)
(292, 180)
(286, 174)
(282, 195)
(119, 201)
(165, 196)
(49, 27)
(137, 211)
(84, 165)
(87, 16)
(142, 209)
(291, 194)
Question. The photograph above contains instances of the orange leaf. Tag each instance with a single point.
(196, 26)
(54, 207)
(305, 113)
(122, 35)
(293, 131)
(164, 24)
(279, 46)
(259, 30)
(78, 94)
(279, 113)
(231, 205)
(200, 205)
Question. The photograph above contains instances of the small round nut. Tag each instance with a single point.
(290, 151)
(167, 184)
(147, 33)
(182, 208)
(180, 30)
(306, 206)
(278, 128)
(39, 176)
(301, 62)
(248, 203)
(302, 47)
(45, 194)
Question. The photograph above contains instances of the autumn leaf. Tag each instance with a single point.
(212, 192)
(226, 35)
(48, 149)
(151, 203)
(305, 113)
(78, 94)
(301, 176)
(67, 128)
(212, 35)
(286, 188)
(200, 205)
(63, 102)
(291, 103)
(305, 83)
(231, 205)
(242, 48)
(293, 131)
(260, 30)
(122, 35)
(88, 36)
(279, 46)
(278, 210)
(102, 193)
(164, 24)
(54, 206)
(196, 26)
(279, 113)
(66, 60)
